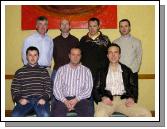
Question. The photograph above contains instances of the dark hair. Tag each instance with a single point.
(32, 48)
(115, 45)
(124, 20)
(94, 19)
(41, 18)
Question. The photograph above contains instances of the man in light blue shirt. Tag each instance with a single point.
(42, 41)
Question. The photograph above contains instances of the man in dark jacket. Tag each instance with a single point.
(115, 88)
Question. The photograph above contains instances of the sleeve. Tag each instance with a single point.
(47, 86)
(57, 88)
(24, 48)
(86, 92)
(137, 62)
(51, 50)
(16, 87)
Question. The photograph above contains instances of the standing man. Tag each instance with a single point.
(131, 48)
(72, 86)
(31, 87)
(116, 88)
(94, 47)
(62, 45)
(42, 41)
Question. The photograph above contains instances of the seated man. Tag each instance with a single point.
(116, 90)
(72, 86)
(31, 87)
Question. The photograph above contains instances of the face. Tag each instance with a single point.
(113, 54)
(124, 28)
(65, 26)
(75, 56)
(32, 57)
(93, 27)
(42, 27)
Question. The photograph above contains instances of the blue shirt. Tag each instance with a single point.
(44, 45)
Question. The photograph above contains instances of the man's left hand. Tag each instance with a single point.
(73, 102)
(129, 102)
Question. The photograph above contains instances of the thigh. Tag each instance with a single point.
(82, 108)
(42, 110)
(133, 111)
(104, 110)
(59, 110)
(22, 110)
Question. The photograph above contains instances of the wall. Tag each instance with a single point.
(142, 20)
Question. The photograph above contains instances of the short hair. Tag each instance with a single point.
(32, 48)
(94, 19)
(75, 48)
(41, 18)
(123, 20)
(115, 45)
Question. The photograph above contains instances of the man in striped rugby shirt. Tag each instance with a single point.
(31, 87)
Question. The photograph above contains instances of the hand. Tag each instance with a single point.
(67, 103)
(73, 102)
(23, 101)
(129, 102)
(41, 102)
(106, 101)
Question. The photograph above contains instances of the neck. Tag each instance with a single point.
(65, 35)
(114, 66)
(33, 65)
(74, 65)
(93, 36)
(126, 36)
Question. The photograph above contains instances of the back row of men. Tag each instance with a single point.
(92, 69)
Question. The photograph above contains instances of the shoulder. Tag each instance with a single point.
(116, 40)
(20, 70)
(73, 37)
(135, 39)
(57, 37)
(86, 69)
(125, 68)
(84, 37)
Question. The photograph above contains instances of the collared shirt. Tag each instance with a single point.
(131, 52)
(72, 82)
(44, 45)
(114, 81)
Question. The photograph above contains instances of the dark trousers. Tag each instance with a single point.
(60, 110)
(135, 77)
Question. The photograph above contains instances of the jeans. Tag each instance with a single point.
(23, 110)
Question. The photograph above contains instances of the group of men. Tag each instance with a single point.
(86, 71)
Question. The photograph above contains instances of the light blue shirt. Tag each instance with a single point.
(44, 45)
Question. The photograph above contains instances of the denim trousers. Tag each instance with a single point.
(23, 110)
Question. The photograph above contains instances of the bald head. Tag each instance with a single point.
(65, 26)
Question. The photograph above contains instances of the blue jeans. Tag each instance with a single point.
(53, 76)
(23, 110)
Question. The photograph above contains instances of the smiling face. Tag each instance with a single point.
(113, 54)
(42, 26)
(124, 28)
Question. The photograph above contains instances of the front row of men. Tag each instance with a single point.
(114, 88)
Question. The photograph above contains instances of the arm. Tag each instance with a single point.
(47, 85)
(51, 50)
(16, 87)
(57, 88)
(86, 92)
(24, 48)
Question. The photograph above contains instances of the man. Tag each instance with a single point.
(42, 41)
(62, 45)
(94, 47)
(131, 48)
(72, 86)
(116, 90)
(31, 87)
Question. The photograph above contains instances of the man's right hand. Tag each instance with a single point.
(68, 105)
(106, 101)
(23, 101)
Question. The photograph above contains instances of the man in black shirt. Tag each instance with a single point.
(94, 47)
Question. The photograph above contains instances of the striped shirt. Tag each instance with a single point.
(73, 82)
(114, 81)
(31, 81)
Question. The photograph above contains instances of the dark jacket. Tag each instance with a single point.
(100, 85)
